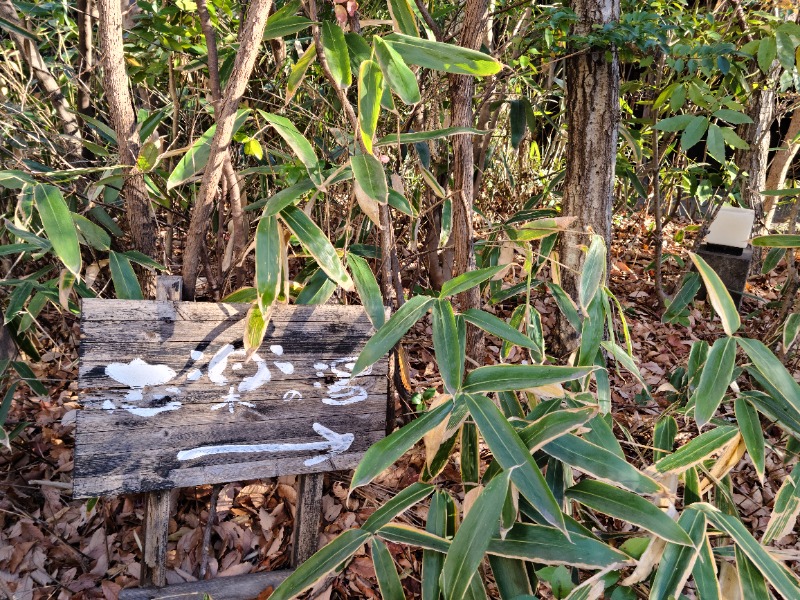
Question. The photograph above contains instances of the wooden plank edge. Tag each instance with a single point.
(239, 587)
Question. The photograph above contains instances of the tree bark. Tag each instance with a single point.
(83, 19)
(249, 45)
(30, 53)
(462, 89)
(141, 217)
(592, 106)
(779, 169)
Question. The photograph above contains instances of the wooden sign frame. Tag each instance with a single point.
(171, 399)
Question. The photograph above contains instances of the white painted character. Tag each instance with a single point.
(346, 389)
(139, 375)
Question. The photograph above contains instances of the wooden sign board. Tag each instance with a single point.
(170, 399)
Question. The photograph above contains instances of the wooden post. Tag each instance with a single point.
(305, 536)
(157, 504)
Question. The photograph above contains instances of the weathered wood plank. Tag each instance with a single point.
(305, 536)
(241, 587)
(157, 510)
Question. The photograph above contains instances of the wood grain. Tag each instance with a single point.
(130, 433)
(241, 587)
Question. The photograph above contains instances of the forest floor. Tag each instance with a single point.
(54, 547)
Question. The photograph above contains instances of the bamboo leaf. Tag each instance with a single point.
(386, 572)
(317, 244)
(299, 144)
(399, 77)
(369, 174)
(600, 463)
(784, 582)
(443, 57)
(446, 346)
(403, 17)
(773, 371)
(688, 291)
(385, 452)
(678, 561)
(498, 327)
(593, 273)
(790, 330)
(752, 433)
(323, 562)
(468, 280)
(404, 500)
(472, 539)
(510, 452)
(370, 90)
(751, 582)
(719, 296)
(268, 261)
(629, 507)
(714, 380)
(411, 536)
(58, 224)
(391, 332)
(698, 449)
(368, 290)
(777, 241)
(126, 285)
(785, 509)
(298, 72)
(424, 136)
(500, 378)
(441, 506)
(91, 233)
(334, 47)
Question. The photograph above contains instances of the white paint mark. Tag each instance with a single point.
(286, 368)
(196, 354)
(174, 390)
(194, 375)
(343, 392)
(262, 376)
(320, 374)
(276, 349)
(292, 395)
(317, 384)
(320, 366)
(231, 400)
(218, 364)
(236, 366)
(138, 374)
(109, 405)
(335, 443)
(151, 412)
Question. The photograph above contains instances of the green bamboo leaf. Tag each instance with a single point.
(549, 546)
(195, 160)
(785, 52)
(629, 507)
(678, 561)
(285, 197)
(734, 117)
(751, 582)
(698, 449)
(626, 360)
(245, 295)
(323, 562)
(752, 433)
(498, 327)
(784, 582)
(443, 57)
(411, 536)
(317, 244)
(714, 380)
(17, 300)
(370, 90)
(447, 220)
(58, 225)
(334, 47)
(91, 233)
(664, 432)
(399, 202)
(441, 506)
(566, 305)
(255, 326)
(518, 122)
(593, 273)
(369, 174)
(368, 290)
(403, 17)
(400, 78)
(424, 136)
(733, 140)
(126, 284)
(385, 452)
(510, 452)
(773, 371)
(673, 124)
(767, 52)
(386, 572)
(446, 346)
(774, 408)
(404, 500)
(777, 241)
(500, 378)
(600, 463)
(299, 144)
(285, 21)
(317, 290)
(704, 573)
(468, 280)
(785, 509)
(691, 285)
(394, 329)
(268, 261)
(718, 295)
(15, 29)
(298, 72)
(790, 330)
(472, 539)
(144, 260)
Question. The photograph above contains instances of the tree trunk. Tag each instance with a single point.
(592, 106)
(141, 217)
(249, 45)
(462, 89)
(83, 20)
(779, 169)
